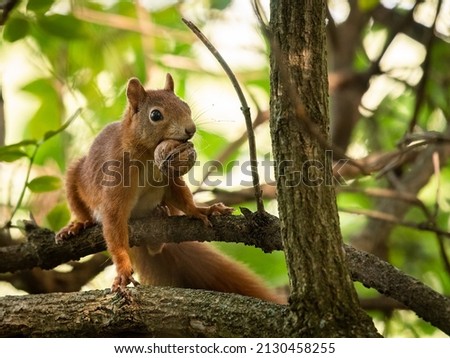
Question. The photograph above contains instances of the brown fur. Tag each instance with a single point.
(199, 265)
(130, 144)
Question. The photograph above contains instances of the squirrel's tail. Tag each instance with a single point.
(198, 265)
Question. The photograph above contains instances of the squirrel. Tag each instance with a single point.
(151, 116)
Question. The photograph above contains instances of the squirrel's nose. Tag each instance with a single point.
(190, 131)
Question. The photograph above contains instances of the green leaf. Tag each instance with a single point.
(17, 145)
(12, 152)
(220, 4)
(11, 155)
(47, 122)
(16, 28)
(58, 216)
(40, 86)
(39, 6)
(65, 26)
(367, 5)
(44, 183)
(169, 17)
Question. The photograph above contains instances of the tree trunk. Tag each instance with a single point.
(323, 300)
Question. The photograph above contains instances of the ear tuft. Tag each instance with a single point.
(169, 86)
(135, 93)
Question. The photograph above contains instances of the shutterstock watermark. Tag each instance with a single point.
(213, 173)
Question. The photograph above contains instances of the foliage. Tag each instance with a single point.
(80, 55)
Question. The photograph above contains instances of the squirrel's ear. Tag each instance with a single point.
(135, 93)
(169, 86)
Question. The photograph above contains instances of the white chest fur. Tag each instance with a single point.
(147, 199)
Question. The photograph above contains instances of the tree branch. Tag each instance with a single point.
(38, 280)
(154, 312)
(262, 231)
(386, 279)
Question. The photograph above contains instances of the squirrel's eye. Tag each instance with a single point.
(156, 115)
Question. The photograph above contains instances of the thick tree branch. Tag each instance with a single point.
(38, 280)
(154, 312)
(386, 279)
(260, 230)
(255, 229)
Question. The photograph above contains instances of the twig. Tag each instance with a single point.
(25, 185)
(261, 117)
(37, 145)
(430, 137)
(409, 143)
(244, 108)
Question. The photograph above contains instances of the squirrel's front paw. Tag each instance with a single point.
(73, 229)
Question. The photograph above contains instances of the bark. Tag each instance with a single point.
(406, 289)
(38, 280)
(323, 300)
(153, 312)
(264, 232)
(40, 249)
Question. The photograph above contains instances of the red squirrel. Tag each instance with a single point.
(151, 116)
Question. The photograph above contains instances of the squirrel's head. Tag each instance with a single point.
(156, 115)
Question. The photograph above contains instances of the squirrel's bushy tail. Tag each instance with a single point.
(201, 266)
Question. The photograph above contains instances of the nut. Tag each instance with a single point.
(175, 158)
